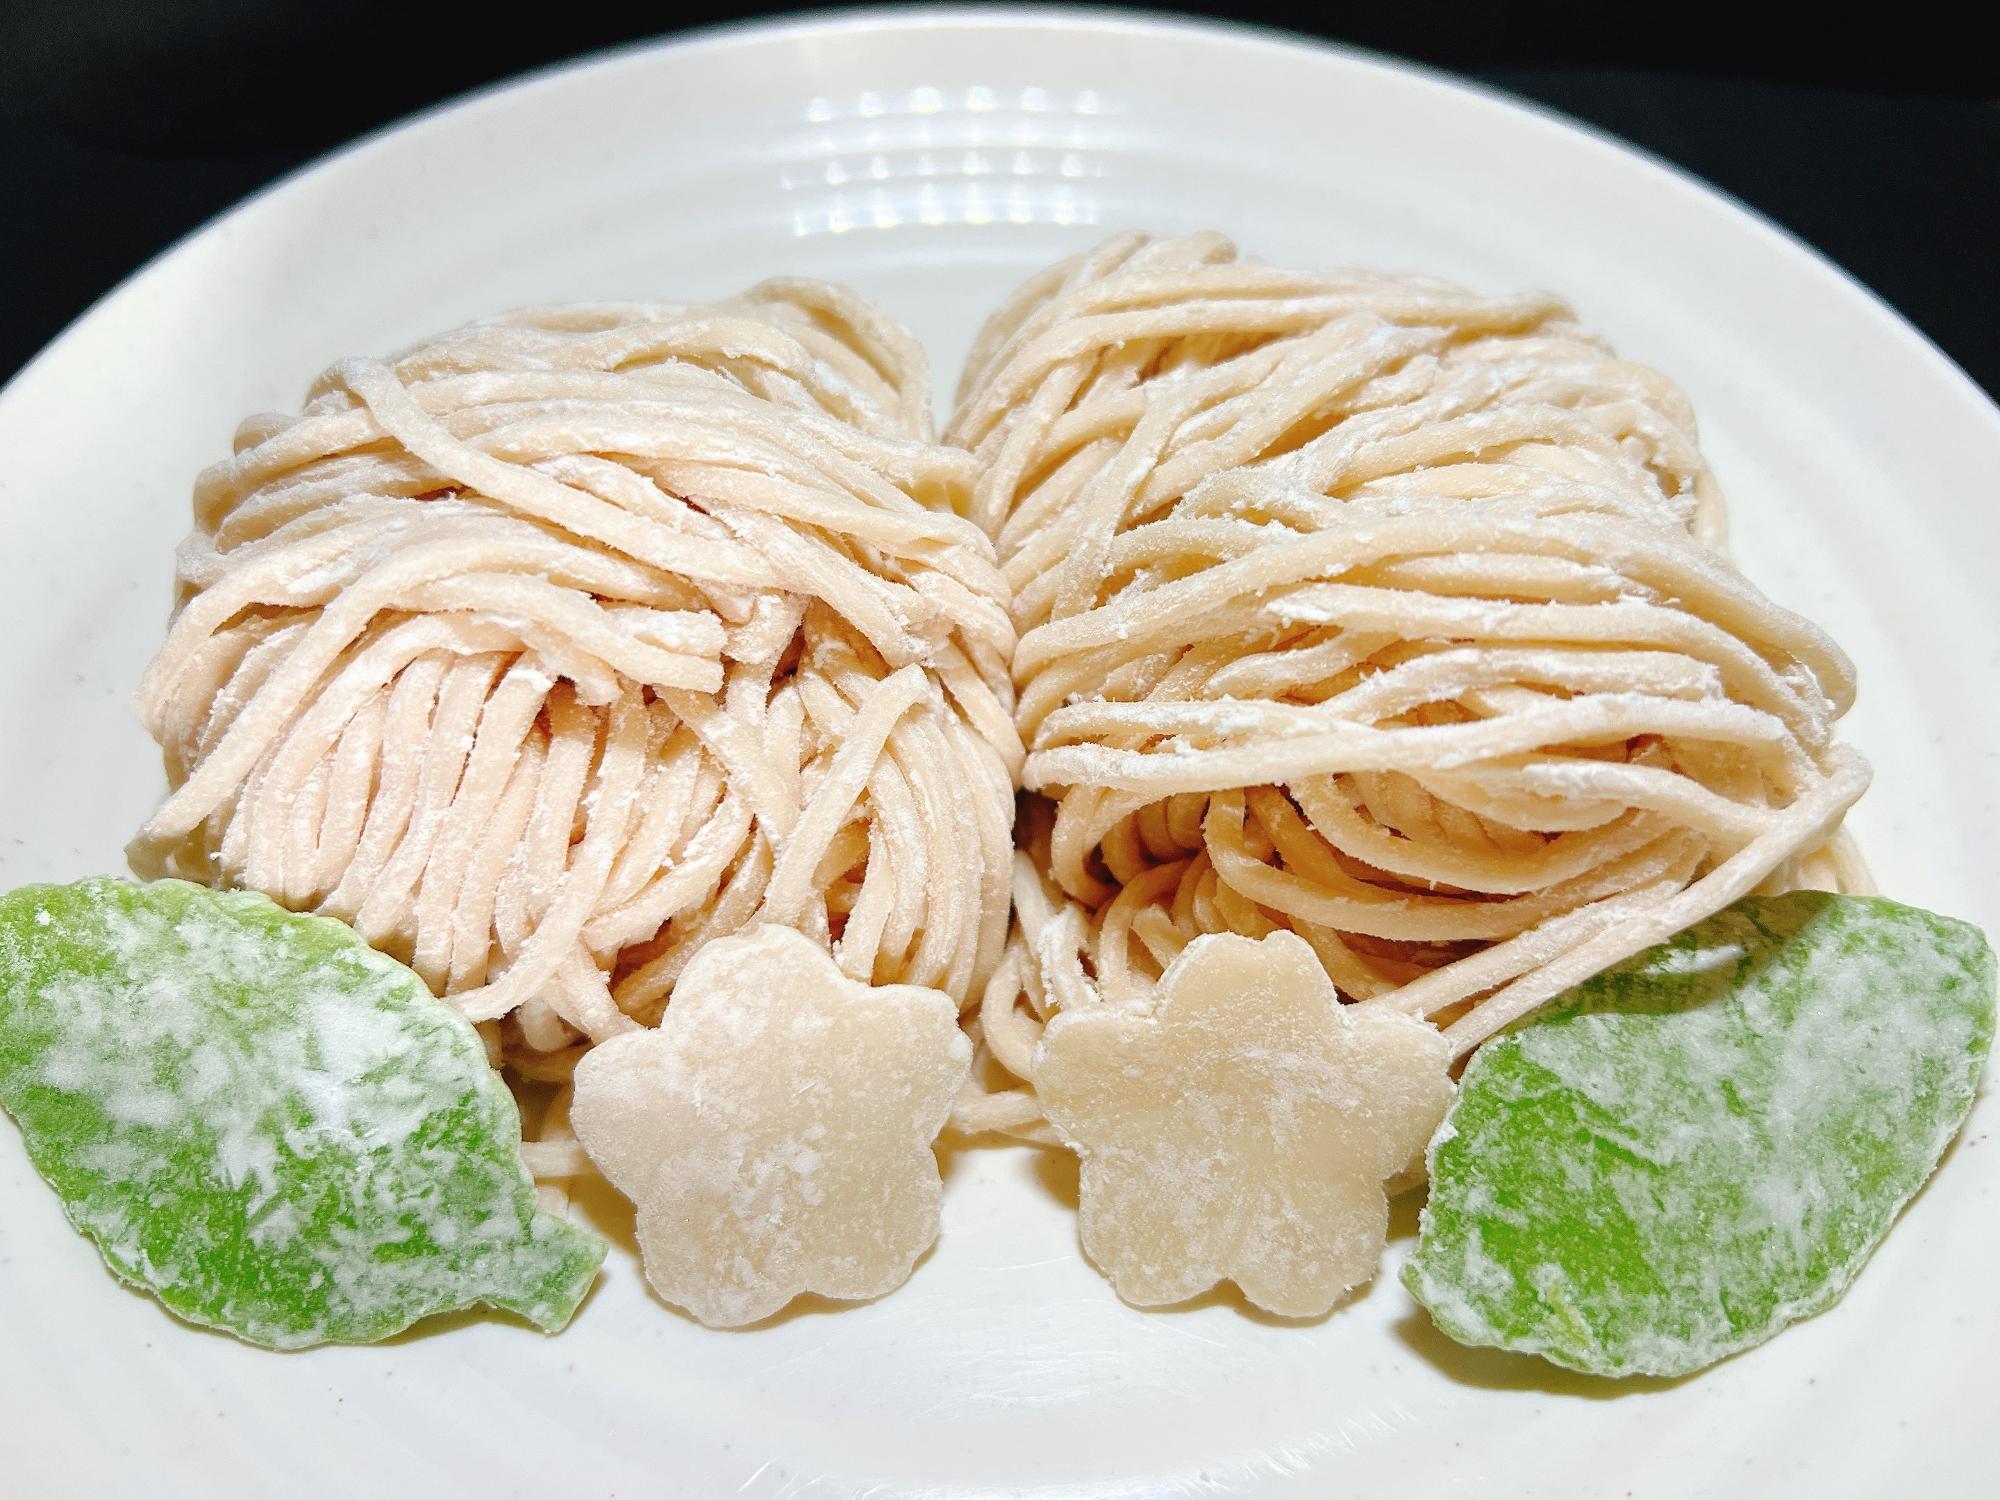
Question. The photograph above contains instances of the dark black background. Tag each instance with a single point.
(1874, 135)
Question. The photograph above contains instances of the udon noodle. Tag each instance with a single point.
(571, 640)
(1379, 610)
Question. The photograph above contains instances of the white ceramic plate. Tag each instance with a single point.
(932, 161)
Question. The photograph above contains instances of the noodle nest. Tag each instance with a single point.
(567, 642)
(1378, 610)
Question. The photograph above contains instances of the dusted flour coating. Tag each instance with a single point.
(775, 1130)
(1685, 1154)
(1241, 1130)
(274, 1129)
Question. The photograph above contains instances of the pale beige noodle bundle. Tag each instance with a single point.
(572, 640)
(1380, 610)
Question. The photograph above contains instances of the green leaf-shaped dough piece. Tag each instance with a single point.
(1681, 1156)
(271, 1127)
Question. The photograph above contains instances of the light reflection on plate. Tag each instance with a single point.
(931, 156)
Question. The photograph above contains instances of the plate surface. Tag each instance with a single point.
(932, 160)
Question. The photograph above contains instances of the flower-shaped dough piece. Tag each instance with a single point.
(1241, 1127)
(775, 1130)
